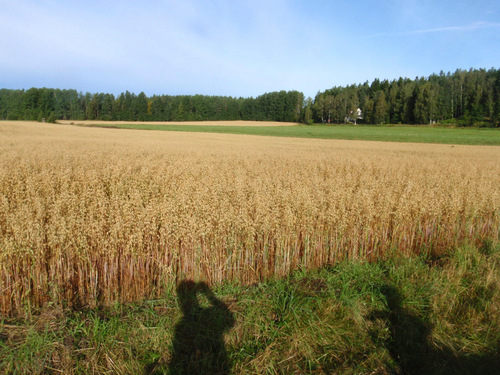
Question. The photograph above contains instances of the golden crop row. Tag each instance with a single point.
(92, 216)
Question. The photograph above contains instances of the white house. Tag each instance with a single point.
(354, 117)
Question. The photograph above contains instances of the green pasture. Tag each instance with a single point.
(419, 134)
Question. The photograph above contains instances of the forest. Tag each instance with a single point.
(464, 98)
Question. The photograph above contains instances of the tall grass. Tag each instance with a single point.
(396, 316)
(94, 216)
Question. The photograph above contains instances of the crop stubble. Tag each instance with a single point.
(92, 216)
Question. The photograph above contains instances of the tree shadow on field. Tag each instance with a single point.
(198, 344)
(411, 349)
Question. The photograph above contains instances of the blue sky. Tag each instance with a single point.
(239, 48)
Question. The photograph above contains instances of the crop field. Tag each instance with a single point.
(183, 123)
(388, 133)
(92, 216)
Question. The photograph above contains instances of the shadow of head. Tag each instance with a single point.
(187, 294)
(392, 296)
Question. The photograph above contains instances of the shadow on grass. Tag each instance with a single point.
(410, 347)
(198, 344)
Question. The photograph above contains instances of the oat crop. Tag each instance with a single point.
(95, 216)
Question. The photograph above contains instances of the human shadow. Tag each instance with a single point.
(411, 349)
(198, 344)
(408, 342)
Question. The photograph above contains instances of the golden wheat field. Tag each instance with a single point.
(92, 216)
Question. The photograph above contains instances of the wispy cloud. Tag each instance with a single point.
(472, 27)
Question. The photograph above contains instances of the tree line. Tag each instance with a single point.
(55, 104)
(464, 98)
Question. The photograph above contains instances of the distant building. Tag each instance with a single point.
(353, 118)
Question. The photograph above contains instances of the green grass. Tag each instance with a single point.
(420, 134)
(401, 315)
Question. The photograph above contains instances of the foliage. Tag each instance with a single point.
(35, 104)
(468, 97)
(471, 97)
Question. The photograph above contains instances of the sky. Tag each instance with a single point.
(239, 48)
